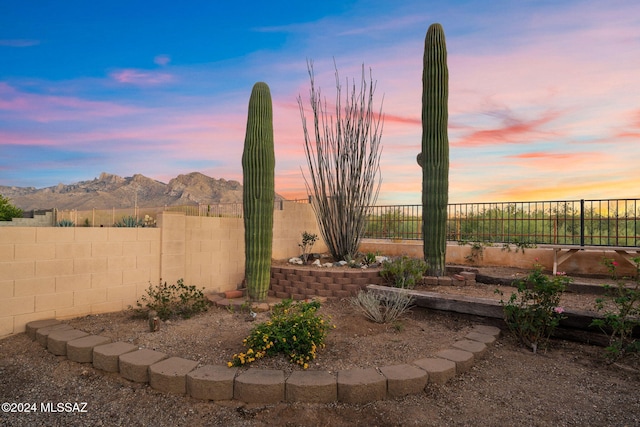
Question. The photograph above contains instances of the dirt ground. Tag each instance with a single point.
(569, 385)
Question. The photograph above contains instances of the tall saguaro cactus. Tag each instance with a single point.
(258, 164)
(434, 158)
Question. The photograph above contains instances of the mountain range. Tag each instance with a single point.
(112, 191)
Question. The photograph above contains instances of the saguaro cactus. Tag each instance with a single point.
(434, 158)
(258, 164)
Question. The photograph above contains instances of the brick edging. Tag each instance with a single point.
(210, 382)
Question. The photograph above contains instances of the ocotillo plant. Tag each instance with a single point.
(258, 164)
(434, 158)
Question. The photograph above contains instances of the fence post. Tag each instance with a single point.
(581, 222)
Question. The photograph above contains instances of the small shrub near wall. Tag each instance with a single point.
(175, 300)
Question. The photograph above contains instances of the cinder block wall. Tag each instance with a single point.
(288, 226)
(583, 262)
(66, 272)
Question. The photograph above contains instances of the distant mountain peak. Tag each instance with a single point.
(113, 191)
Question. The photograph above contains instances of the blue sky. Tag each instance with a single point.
(544, 97)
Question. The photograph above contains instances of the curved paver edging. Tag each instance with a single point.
(182, 376)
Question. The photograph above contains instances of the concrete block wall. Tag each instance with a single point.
(583, 262)
(38, 220)
(214, 253)
(288, 226)
(214, 249)
(66, 272)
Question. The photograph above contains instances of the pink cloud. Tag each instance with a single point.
(48, 108)
(632, 128)
(512, 131)
(162, 60)
(141, 78)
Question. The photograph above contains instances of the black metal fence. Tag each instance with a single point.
(610, 222)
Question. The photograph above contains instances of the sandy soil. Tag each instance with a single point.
(568, 385)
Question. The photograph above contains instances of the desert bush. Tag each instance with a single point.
(8, 210)
(620, 322)
(130, 221)
(382, 307)
(533, 312)
(295, 330)
(175, 300)
(308, 240)
(403, 272)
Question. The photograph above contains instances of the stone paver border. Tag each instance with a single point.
(183, 376)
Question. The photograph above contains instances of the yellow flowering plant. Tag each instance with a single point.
(295, 329)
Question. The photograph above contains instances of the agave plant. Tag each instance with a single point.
(129, 221)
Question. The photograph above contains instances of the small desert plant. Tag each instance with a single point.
(533, 312)
(129, 221)
(369, 258)
(520, 246)
(295, 330)
(619, 324)
(65, 223)
(477, 250)
(403, 272)
(171, 301)
(382, 307)
(308, 240)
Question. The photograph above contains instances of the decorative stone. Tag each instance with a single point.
(475, 347)
(211, 382)
(463, 359)
(57, 340)
(43, 333)
(439, 370)
(260, 386)
(106, 357)
(403, 380)
(361, 386)
(134, 366)
(483, 338)
(33, 326)
(169, 375)
(311, 387)
(488, 330)
(81, 349)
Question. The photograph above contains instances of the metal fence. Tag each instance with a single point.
(146, 216)
(611, 222)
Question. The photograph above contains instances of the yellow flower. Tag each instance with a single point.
(305, 366)
(229, 364)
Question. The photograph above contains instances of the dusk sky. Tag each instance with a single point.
(544, 96)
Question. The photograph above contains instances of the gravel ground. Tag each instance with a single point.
(569, 385)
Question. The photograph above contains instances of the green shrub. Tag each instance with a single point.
(619, 324)
(295, 330)
(382, 307)
(171, 301)
(534, 311)
(129, 221)
(403, 272)
(65, 223)
(308, 240)
(7, 210)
